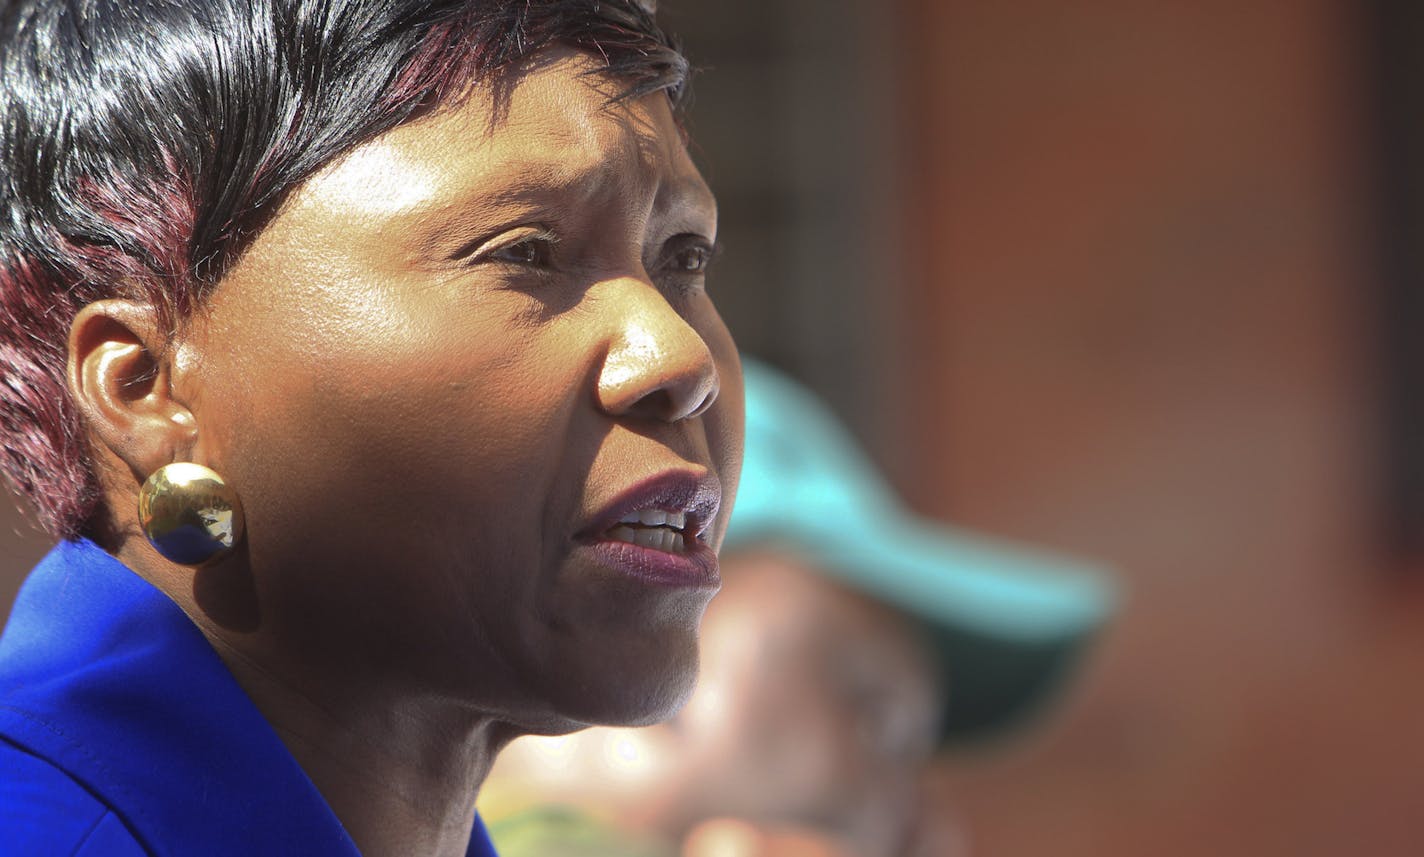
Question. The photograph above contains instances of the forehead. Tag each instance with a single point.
(553, 127)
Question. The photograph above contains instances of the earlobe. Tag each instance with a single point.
(121, 380)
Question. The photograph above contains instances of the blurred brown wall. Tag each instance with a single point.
(1121, 216)
(1137, 329)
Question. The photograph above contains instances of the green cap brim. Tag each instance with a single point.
(1008, 621)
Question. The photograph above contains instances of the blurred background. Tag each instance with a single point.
(1111, 278)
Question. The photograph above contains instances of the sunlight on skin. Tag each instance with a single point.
(378, 178)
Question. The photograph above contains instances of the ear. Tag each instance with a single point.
(120, 376)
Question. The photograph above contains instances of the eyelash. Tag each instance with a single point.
(542, 243)
(706, 252)
(686, 256)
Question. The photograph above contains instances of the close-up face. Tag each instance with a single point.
(482, 413)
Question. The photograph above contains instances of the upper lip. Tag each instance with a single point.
(698, 496)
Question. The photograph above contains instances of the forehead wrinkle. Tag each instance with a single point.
(389, 176)
(681, 189)
(563, 153)
(534, 158)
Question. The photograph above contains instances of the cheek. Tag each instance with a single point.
(401, 486)
(377, 439)
(725, 421)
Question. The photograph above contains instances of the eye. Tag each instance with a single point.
(693, 260)
(689, 255)
(534, 250)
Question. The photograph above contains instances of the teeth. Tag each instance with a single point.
(656, 518)
(657, 538)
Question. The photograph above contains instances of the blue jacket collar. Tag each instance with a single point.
(105, 677)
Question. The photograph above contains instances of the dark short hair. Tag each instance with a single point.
(143, 142)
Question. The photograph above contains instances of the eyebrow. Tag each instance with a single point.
(451, 223)
(535, 182)
(684, 191)
(452, 220)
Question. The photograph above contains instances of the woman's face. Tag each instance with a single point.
(442, 375)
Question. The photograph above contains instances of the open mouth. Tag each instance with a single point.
(657, 529)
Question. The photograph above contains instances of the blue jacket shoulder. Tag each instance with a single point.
(44, 812)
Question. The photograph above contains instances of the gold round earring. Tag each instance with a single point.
(190, 514)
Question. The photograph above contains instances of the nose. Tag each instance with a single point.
(657, 366)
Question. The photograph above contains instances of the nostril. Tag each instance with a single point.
(709, 395)
(656, 404)
(677, 401)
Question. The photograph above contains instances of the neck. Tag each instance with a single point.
(399, 770)
(401, 776)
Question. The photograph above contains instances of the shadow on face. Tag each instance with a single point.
(448, 358)
(815, 707)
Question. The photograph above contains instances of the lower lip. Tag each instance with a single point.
(695, 569)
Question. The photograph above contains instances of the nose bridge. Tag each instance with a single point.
(657, 364)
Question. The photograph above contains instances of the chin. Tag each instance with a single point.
(628, 691)
(656, 705)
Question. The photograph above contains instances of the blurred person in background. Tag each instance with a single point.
(850, 639)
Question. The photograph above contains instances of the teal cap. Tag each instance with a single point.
(1008, 621)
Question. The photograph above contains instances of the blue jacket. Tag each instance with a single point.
(122, 732)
